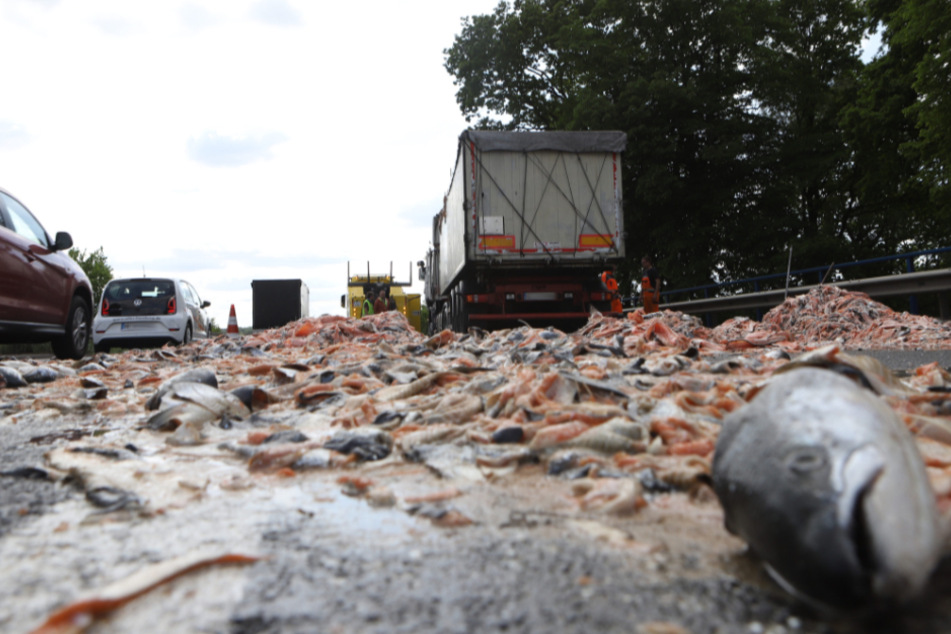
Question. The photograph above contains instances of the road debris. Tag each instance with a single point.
(616, 422)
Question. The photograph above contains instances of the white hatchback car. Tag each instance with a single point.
(141, 312)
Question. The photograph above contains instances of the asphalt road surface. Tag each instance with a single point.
(331, 559)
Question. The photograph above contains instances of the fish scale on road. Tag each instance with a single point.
(636, 399)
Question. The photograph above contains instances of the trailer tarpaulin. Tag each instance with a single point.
(573, 142)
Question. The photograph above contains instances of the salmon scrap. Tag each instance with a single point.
(78, 616)
(536, 391)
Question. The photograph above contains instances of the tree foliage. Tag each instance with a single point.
(753, 127)
(919, 34)
(96, 267)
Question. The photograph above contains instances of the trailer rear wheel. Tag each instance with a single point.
(441, 321)
(454, 311)
(460, 314)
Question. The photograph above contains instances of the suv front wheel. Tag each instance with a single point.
(72, 345)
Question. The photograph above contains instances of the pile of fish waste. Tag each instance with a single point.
(829, 314)
(617, 419)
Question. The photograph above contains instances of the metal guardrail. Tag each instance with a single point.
(890, 285)
(908, 283)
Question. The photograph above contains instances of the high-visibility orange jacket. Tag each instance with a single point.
(649, 294)
(607, 278)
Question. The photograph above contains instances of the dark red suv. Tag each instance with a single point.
(44, 295)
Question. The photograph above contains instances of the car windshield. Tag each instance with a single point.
(139, 289)
(24, 223)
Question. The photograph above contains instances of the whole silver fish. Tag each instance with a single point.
(11, 378)
(204, 376)
(827, 486)
(194, 403)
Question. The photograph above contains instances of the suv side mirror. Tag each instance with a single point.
(205, 304)
(63, 241)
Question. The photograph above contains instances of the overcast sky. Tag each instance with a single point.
(225, 141)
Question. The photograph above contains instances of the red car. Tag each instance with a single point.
(44, 295)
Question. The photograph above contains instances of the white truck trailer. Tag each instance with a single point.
(530, 222)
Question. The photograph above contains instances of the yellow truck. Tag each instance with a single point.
(409, 304)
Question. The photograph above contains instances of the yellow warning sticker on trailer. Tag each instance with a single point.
(595, 240)
(496, 242)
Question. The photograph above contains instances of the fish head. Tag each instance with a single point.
(824, 483)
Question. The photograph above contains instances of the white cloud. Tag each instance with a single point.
(275, 13)
(213, 149)
(12, 136)
(196, 16)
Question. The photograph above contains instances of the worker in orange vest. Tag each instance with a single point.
(607, 278)
(650, 285)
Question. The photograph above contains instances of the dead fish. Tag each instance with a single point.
(171, 418)
(510, 434)
(595, 384)
(366, 443)
(455, 409)
(195, 403)
(286, 436)
(665, 366)
(400, 378)
(316, 458)
(204, 376)
(284, 375)
(608, 495)
(11, 378)
(95, 394)
(254, 397)
(112, 453)
(867, 371)
(827, 486)
(389, 419)
(397, 392)
(91, 382)
(613, 436)
(28, 473)
(41, 374)
(428, 435)
(275, 457)
(634, 430)
(110, 499)
(314, 400)
(564, 461)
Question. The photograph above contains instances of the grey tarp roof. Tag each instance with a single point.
(575, 142)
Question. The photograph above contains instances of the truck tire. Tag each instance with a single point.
(463, 314)
(452, 311)
(460, 320)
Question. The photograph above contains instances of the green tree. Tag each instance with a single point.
(921, 30)
(889, 201)
(96, 267)
(806, 72)
(899, 131)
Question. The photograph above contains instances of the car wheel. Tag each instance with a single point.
(188, 335)
(72, 345)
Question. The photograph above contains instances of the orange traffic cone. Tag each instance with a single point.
(232, 323)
